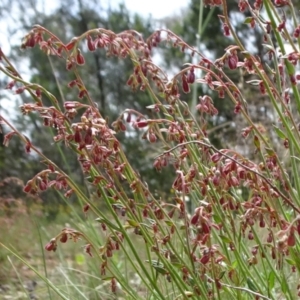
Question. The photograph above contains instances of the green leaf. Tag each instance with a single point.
(222, 274)
(290, 261)
(169, 117)
(225, 239)
(217, 219)
(256, 142)
(132, 223)
(248, 20)
(90, 179)
(158, 266)
(284, 286)
(234, 264)
(271, 280)
(251, 285)
(280, 133)
(270, 151)
(107, 278)
(174, 260)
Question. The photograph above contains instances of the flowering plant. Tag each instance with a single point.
(242, 233)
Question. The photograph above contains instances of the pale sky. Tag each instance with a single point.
(157, 8)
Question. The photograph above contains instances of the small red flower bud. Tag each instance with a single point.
(216, 157)
(86, 208)
(77, 136)
(251, 223)
(130, 80)
(233, 181)
(90, 44)
(185, 85)
(232, 61)
(142, 124)
(71, 45)
(152, 137)
(250, 235)
(226, 29)
(204, 259)
(30, 41)
(79, 58)
(231, 205)
(113, 285)
(293, 79)
(122, 126)
(20, 90)
(262, 223)
(139, 79)
(28, 147)
(88, 249)
(216, 180)
(117, 246)
(273, 253)
(69, 64)
(10, 85)
(237, 108)
(297, 32)
(43, 185)
(252, 23)
(281, 3)
(221, 93)
(204, 190)
(171, 213)
(291, 241)
(28, 187)
(82, 93)
(128, 118)
(71, 104)
(242, 5)
(144, 70)
(64, 238)
(205, 227)
(68, 193)
(51, 246)
(281, 26)
(157, 37)
(8, 137)
(254, 250)
(38, 93)
(191, 76)
(195, 219)
(88, 139)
